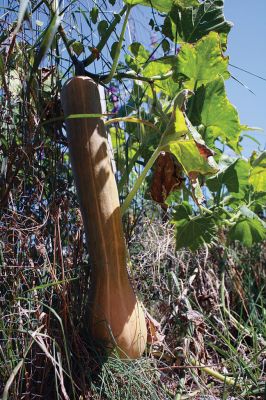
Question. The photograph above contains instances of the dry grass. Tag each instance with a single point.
(211, 312)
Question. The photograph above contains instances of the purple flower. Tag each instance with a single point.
(116, 108)
(112, 90)
(113, 98)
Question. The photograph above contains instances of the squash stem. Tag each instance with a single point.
(139, 181)
(215, 374)
(106, 36)
(118, 49)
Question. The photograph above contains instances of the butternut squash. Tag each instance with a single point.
(116, 316)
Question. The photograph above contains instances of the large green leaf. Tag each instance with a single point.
(161, 68)
(189, 156)
(235, 178)
(191, 24)
(258, 173)
(248, 213)
(182, 212)
(186, 3)
(258, 179)
(201, 63)
(219, 117)
(181, 128)
(194, 232)
(247, 231)
(163, 5)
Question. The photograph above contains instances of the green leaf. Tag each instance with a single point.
(158, 68)
(182, 212)
(186, 3)
(161, 5)
(188, 155)
(164, 5)
(113, 50)
(260, 161)
(258, 173)
(194, 232)
(94, 14)
(219, 117)
(201, 63)
(258, 179)
(161, 67)
(139, 56)
(191, 24)
(247, 231)
(181, 128)
(235, 178)
(247, 212)
(102, 27)
(166, 46)
(77, 47)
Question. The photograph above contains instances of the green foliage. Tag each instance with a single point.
(161, 5)
(247, 231)
(191, 231)
(235, 178)
(102, 27)
(194, 116)
(257, 176)
(78, 48)
(202, 63)
(94, 14)
(191, 24)
(139, 56)
(218, 117)
(188, 155)
(164, 5)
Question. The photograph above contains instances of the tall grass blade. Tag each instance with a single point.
(23, 6)
(46, 43)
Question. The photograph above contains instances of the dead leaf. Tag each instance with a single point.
(195, 317)
(153, 327)
(167, 177)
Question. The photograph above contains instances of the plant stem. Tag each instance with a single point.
(127, 172)
(106, 36)
(131, 119)
(66, 42)
(132, 75)
(216, 375)
(118, 49)
(139, 181)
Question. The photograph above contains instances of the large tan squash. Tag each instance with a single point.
(117, 319)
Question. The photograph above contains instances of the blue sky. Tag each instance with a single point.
(247, 49)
